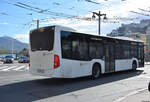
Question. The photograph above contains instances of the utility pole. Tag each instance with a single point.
(38, 24)
(12, 47)
(99, 20)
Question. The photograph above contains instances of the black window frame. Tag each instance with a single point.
(124, 49)
(79, 38)
(45, 44)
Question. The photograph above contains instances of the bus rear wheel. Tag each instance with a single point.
(96, 71)
(134, 66)
(149, 87)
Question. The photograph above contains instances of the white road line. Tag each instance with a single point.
(144, 76)
(7, 69)
(19, 68)
(3, 67)
(130, 94)
(27, 68)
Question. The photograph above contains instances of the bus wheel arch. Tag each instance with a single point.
(134, 65)
(96, 70)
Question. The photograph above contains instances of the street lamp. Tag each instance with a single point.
(99, 19)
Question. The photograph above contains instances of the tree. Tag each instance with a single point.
(25, 52)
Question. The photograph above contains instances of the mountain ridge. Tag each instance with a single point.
(143, 27)
(6, 43)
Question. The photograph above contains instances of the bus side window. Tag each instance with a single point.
(66, 48)
(92, 50)
(142, 52)
(132, 51)
(80, 50)
(118, 53)
(126, 50)
(83, 49)
(75, 49)
(99, 51)
(135, 51)
(139, 52)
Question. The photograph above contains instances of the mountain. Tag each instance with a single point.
(125, 29)
(7, 42)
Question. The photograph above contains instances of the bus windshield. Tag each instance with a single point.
(42, 39)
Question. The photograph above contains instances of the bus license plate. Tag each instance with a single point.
(40, 70)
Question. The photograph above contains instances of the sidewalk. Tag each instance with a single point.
(143, 96)
(147, 63)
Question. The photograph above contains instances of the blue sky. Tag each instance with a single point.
(16, 22)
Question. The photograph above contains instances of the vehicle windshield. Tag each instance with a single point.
(8, 57)
(23, 57)
(42, 39)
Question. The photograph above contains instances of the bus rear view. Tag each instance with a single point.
(43, 60)
(61, 52)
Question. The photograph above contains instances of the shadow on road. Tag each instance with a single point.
(33, 90)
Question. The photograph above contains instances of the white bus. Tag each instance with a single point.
(61, 52)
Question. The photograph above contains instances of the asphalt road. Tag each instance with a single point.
(20, 86)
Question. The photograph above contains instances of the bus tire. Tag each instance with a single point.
(134, 65)
(96, 71)
(149, 87)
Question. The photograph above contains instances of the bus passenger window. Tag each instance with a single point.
(99, 52)
(75, 50)
(66, 49)
(83, 48)
(92, 50)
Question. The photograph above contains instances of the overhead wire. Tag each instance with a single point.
(144, 10)
(38, 10)
(48, 12)
(143, 14)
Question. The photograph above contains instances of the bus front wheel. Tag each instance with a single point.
(96, 71)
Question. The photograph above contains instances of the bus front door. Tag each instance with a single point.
(109, 58)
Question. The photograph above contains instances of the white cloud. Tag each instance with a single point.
(22, 37)
(113, 8)
(4, 23)
(124, 8)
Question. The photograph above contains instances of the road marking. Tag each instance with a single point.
(144, 76)
(27, 68)
(3, 67)
(7, 69)
(14, 68)
(130, 94)
(19, 68)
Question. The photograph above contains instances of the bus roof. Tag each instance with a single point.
(73, 30)
(59, 26)
(119, 37)
(127, 38)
